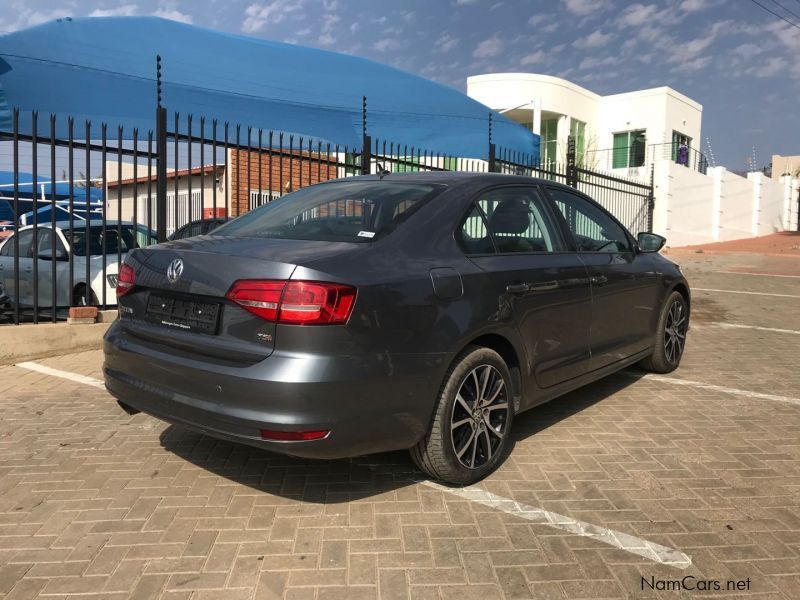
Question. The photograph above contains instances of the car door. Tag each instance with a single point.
(511, 234)
(623, 283)
(48, 266)
(23, 280)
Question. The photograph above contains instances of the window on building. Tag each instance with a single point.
(577, 130)
(549, 142)
(257, 198)
(629, 149)
(680, 147)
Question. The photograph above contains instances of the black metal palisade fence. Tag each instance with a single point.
(76, 204)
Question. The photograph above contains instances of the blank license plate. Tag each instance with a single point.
(183, 315)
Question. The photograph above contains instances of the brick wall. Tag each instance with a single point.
(279, 173)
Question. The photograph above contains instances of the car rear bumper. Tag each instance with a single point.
(371, 403)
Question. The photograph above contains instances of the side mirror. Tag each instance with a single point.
(650, 242)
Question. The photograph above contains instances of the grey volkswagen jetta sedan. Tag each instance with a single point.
(368, 314)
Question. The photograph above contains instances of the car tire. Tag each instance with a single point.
(81, 298)
(480, 440)
(670, 337)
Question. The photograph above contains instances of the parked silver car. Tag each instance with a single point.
(108, 241)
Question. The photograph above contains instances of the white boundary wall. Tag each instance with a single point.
(692, 208)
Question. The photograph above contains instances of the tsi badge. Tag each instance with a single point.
(175, 270)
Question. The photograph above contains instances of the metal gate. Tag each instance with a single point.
(72, 206)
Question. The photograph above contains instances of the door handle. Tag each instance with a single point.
(517, 288)
(599, 280)
(544, 286)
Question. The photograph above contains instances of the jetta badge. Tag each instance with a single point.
(175, 270)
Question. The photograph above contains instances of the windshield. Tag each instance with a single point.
(114, 243)
(356, 211)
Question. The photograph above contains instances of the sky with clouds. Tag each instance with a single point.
(738, 60)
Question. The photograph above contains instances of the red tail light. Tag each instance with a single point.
(295, 302)
(125, 280)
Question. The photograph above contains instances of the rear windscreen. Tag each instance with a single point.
(357, 211)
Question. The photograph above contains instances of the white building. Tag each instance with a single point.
(614, 132)
(638, 133)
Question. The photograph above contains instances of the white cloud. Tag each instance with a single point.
(696, 64)
(126, 10)
(489, 48)
(592, 62)
(786, 34)
(747, 50)
(534, 58)
(173, 15)
(386, 44)
(774, 66)
(496, 5)
(637, 14)
(546, 23)
(445, 42)
(329, 23)
(464, 2)
(584, 8)
(28, 18)
(693, 5)
(596, 39)
(257, 16)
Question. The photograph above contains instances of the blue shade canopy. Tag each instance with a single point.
(103, 69)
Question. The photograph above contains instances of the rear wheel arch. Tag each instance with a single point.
(505, 348)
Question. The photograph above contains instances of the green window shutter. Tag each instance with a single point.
(619, 158)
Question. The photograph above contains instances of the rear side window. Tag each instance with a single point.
(349, 211)
(508, 220)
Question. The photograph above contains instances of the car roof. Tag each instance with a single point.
(453, 178)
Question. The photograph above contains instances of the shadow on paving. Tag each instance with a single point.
(345, 480)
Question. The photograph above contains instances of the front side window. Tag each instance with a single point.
(592, 229)
(508, 220)
(629, 149)
(346, 211)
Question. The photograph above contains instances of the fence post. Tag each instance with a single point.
(572, 175)
(492, 159)
(161, 160)
(651, 197)
(366, 141)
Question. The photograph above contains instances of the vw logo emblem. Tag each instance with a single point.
(175, 270)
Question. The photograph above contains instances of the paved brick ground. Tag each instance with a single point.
(96, 504)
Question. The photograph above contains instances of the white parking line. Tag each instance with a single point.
(714, 388)
(623, 541)
(759, 274)
(696, 289)
(32, 366)
(757, 327)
